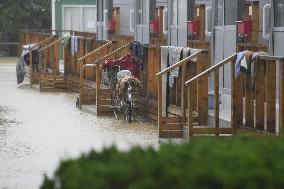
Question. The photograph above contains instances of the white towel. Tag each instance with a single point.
(175, 56)
(186, 52)
(74, 45)
(193, 51)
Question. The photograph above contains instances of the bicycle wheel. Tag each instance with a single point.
(128, 112)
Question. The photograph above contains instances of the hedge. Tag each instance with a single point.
(232, 162)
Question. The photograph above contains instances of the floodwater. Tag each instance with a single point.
(37, 130)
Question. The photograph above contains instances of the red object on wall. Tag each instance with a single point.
(112, 25)
(244, 28)
(193, 27)
(154, 26)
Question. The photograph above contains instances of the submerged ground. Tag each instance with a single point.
(37, 130)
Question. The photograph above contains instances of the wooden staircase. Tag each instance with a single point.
(173, 123)
(104, 107)
(253, 107)
(52, 83)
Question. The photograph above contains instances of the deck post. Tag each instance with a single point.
(160, 105)
(236, 99)
(271, 95)
(216, 101)
(190, 110)
(31, 66)
(260, 94)
(56, 58)
(183, 107)
(81, 64)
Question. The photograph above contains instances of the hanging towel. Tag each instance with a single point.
(193, 51)
(66, 38)
(20, 70)
(74, 45)
(240, 57)
(186, 52)
(164, 61)
(176, 52)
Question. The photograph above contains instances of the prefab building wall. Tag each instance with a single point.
(77, 15)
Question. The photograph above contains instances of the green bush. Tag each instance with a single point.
(233, 162)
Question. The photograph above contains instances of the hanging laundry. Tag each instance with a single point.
(186, 52)
(127, 62)
(176, 54)
(66, 38)
(20, 70)
(74, 45)
(136, 49)
(193, 51)
(246, 63)
(240, 57)
(25, 60)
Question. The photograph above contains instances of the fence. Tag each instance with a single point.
(9, 44)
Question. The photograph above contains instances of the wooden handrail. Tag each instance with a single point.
(267, 57)
(106, 56)
(47, 39)
(94, 51)
(213, 68)
(51, 44)
(180, 63)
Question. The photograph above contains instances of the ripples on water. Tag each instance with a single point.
(37, 130)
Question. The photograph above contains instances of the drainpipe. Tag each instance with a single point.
(53, 16)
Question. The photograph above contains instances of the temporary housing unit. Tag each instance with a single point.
(147, 21)
(114, 18)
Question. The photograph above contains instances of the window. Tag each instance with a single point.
(174, 19)
(79, 18)
(227, 12)
(139, 12)
(230, 12)
(279, 13)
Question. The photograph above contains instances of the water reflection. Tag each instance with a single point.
(38, 129)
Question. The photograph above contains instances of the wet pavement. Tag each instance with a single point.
(37, 130)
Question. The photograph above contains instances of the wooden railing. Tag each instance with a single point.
(92, 56)
(258, 103)
(96, 64)
(48, 53)
(214, 69)
(172, 126)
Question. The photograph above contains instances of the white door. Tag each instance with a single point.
(278, 29)
(225, 37)
(142, 18)
(102, 19)
(177, 22)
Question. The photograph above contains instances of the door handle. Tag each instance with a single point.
(165, 11)
(208, 10)
(265, 34)
(131, 15)
(105, 19)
